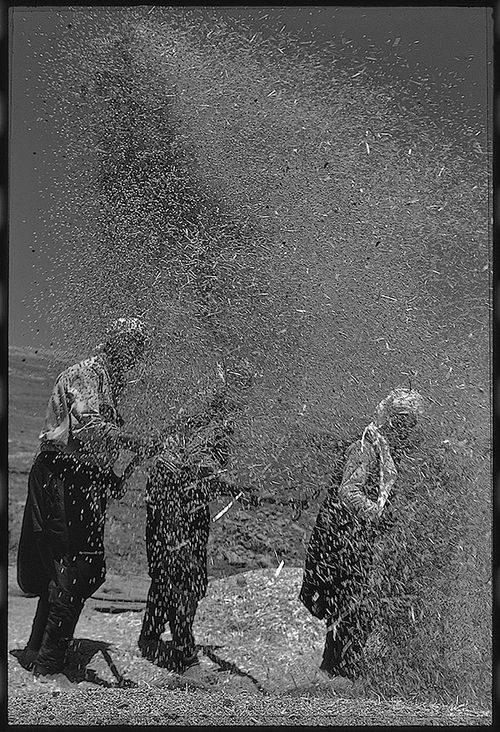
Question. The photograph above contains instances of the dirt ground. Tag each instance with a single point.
(259, 661)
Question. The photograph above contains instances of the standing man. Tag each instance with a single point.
(339, 555)
(186, 476)
(61, 547)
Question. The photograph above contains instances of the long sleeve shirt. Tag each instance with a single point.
(359, 487)
(82, 418)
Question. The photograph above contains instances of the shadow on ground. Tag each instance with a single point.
(80, 654)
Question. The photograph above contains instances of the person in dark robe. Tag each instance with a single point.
(61, 547)
(356, 508)
(186, 476)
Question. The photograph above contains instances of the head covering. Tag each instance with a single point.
(123, 329)
(126, 327)
(398, 401)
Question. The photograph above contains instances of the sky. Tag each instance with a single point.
(451, 42)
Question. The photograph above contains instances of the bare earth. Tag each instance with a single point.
(259, 647)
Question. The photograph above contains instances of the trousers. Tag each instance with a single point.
(39, 621)
(60, 607)
(61, 549)
(178, 609)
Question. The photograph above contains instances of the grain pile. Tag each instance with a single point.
(252, 620)
(151, 706)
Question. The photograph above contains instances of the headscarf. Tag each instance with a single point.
(123, 327)
(398, 401)
(126, 327)
(118, 329)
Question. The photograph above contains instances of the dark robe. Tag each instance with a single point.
(339, 554)
(63, 517)
(178, 513)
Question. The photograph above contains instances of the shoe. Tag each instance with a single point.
(60, 680)
(26, 657)
(172, 659)
(342, 685)
(42, 673)
(336, 680)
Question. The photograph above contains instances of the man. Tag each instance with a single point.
(61, 547)
(185, 478)
(339, 554)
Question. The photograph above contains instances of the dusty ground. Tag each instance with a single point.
(261, 662)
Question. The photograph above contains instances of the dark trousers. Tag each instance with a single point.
(59, 609)
(178, 609)
(63, 518)
(342, 655)
(39, 621)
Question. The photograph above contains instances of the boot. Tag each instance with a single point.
(26, 657)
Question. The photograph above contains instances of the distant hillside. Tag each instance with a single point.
(30, 378)
(40, 356)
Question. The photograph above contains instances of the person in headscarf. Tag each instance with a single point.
(339, 555)
(61, 547)
(186, 476)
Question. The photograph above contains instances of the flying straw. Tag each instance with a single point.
(226, 508)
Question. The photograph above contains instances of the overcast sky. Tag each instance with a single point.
(449, 41)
